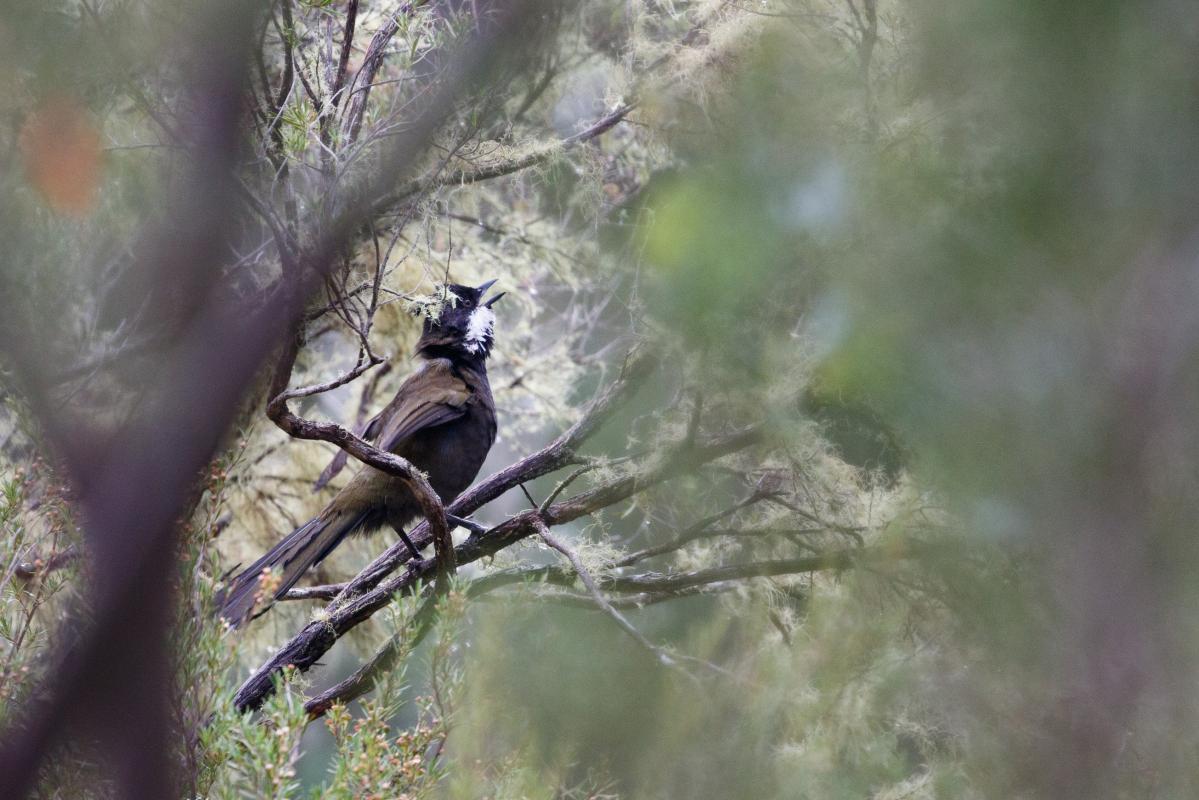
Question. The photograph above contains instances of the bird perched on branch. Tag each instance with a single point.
(442, 420)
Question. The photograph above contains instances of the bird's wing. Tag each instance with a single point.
(370, 432)
(432, 396)
(373, 428)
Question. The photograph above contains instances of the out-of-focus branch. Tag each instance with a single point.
(133, 485)
(693, 532)
(130, 487)
(27, 570)
(463, 177)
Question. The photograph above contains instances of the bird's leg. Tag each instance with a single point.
(408, 543)
(469, 524)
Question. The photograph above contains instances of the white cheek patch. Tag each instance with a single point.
(482, 321)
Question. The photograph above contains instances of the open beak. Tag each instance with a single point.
(482, 289)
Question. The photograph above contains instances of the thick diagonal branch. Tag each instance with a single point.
(317, 637)
(557, 454)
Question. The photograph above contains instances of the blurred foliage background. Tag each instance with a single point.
(944, 255)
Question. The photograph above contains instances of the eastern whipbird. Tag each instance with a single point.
(442, 420)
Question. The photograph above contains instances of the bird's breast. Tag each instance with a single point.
(451, 454)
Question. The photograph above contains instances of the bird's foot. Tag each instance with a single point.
(469, 524)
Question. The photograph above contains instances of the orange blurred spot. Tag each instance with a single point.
(62, 154)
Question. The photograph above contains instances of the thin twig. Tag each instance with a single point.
(584, 574)
(693, 532)
(431, 181)
(364, 365)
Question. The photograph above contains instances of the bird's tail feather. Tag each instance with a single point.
(287, 561)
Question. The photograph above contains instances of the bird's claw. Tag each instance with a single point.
(463, 522)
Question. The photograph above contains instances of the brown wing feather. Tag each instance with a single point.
(432, 396)
(370, 432)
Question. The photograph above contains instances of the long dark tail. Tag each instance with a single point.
(253, 588)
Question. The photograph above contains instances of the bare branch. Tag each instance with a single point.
(322, 592)
(438, 179)
(596, 595)
(314, 640)
(364, 678)
(365, 77)
(364, 364)
(347, 42)
(692, 533)
(644, 590)
(571, 478)
(361, 427)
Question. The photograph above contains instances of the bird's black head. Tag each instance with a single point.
(464, 329)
